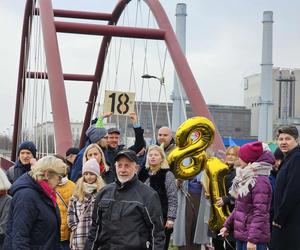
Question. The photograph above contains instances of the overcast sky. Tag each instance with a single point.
(223, 44)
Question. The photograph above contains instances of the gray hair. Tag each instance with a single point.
(50, 164)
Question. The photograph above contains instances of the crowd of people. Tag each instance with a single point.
(109, 196)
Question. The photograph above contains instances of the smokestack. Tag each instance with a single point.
(265, 129)
(178, 95)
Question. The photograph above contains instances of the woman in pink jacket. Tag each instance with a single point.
(251, 187)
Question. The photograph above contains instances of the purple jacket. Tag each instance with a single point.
(249, 220)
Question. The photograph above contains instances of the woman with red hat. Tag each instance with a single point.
(251, 188)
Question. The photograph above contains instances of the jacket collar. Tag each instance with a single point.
(297, 148)
(127, 184)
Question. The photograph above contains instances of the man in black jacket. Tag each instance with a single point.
(127, 213)
(26, 158)
(113, 140)
(286, 220)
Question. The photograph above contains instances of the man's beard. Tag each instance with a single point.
(124, 179)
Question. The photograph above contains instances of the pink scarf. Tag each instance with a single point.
(48, 191)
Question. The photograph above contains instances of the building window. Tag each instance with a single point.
(246, 84)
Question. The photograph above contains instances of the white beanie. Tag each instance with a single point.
(91, 166)
(4, 182)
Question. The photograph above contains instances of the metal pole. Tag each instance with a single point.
(265, 129)
(179, 102)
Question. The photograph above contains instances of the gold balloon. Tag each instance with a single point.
(192, 138)
(216, 171)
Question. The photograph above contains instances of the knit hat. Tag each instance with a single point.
(95, 134)
(250, 152)
(28, 145)
(91, 166)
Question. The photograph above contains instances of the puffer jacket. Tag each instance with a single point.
(64, 194)
(249, 220)
(34, 221)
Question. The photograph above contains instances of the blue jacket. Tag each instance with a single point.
(34, 222)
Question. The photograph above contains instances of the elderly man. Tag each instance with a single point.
(127, 213)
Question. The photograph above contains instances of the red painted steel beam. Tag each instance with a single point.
(99, 69)
(62, 129)
(79, 14)
(20, 84)
(111, 30)
(183, 70)
(67, 77)
(82, 15)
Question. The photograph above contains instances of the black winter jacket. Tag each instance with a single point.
(126, 217)
(287, 203)
(15, 171)
(34, 222)
(228, 199)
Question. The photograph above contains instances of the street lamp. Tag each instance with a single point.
(161, 79)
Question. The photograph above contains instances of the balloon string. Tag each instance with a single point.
(227, 241)
(189, 199)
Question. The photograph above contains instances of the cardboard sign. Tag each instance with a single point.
(119, 103)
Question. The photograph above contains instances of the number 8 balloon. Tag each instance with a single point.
(193, 137)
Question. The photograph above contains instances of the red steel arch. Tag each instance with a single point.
(56, 77)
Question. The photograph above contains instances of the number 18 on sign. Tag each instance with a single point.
(119, 103)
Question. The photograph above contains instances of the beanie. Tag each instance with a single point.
(91, 166)
(28, 145)
(250, 152)
(95, 134)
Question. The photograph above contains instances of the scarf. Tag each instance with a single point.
(89, 188)
(245, 178)
(48, 191)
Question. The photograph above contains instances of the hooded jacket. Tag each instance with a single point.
(34, 221)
